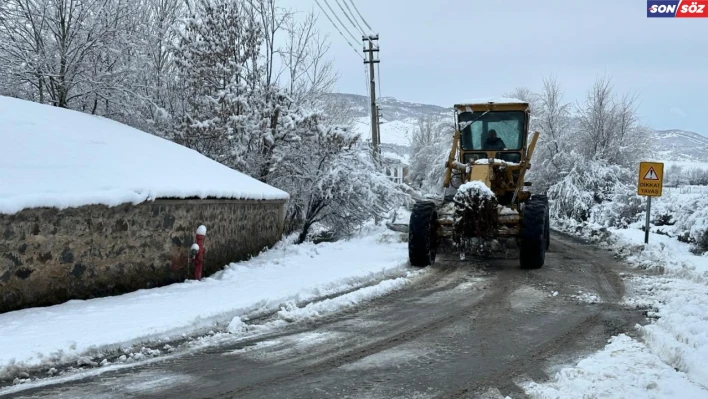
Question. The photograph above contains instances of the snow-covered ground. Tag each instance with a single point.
(284, 280)
(669, 359)
(396, 132)
(63, 158)
(685, 164)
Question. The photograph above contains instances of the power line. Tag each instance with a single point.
(347, 15)
(355, 20)
(362, 18)
(340, 21)
(340, 32)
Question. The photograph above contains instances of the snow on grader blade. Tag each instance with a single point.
(487, 208)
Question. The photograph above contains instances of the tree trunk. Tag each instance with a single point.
(303, 234)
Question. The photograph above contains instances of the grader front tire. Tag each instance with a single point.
(534, 233)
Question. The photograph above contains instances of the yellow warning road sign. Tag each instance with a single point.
(651, 179)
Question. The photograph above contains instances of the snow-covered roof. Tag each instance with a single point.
(496, 100)
(394, 157)
(60, 158)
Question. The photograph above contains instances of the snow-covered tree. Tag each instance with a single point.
(431, 143)
(218, 43)
(609, 128)
(525, 94)
(309, 74)
(157, 90)
(243, 82)
(598, 159)
(64, 52)
(595, 191)
(333, 181)
(695, 176)
(553, 154)
(675, 176)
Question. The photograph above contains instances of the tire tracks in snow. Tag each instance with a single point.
(460, 329)
(151, 350)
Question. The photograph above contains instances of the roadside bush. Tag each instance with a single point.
(664, 219)
(692, 222)
(701, 245)
(596, 192)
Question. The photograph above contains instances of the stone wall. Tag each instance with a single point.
(48, 256)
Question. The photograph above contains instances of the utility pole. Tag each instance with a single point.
(374, 109)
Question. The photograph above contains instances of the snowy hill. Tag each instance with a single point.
(399, 118)
(61, 158)
(681, 147)
(391, 108)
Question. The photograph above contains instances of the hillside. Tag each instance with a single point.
(681, 147)
(399, 118)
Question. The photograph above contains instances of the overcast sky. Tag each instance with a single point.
(444, 51)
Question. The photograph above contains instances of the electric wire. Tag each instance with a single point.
(362, 18)
(348, 17)
(340, 32)
(354, 17)
(340, 21)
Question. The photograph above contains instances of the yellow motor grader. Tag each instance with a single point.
(486, 206)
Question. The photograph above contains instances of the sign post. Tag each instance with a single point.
(651, 183)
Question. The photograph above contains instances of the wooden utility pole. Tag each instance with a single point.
(372, 85)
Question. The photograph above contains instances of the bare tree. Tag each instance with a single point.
(309, 73)
(60, 47)
(525, 94)
(425, 133)
(553, 118)
(610, 126)
(23, 55)
(272, 21)
(430, 146)
(155, 83)
(106, 83)
(336, 111)
(597, 117)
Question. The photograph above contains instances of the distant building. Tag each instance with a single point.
(396, 166)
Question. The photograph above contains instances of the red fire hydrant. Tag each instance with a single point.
(197, 252)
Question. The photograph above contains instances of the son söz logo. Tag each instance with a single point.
(677, 9)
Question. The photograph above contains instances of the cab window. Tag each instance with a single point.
(475, 128)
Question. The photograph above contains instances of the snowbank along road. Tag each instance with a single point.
(462, 329)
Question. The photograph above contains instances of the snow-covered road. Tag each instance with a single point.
(461, 326)
(281, 277)
(466, 321)
(667, 358)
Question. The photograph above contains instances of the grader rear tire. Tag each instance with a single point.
(423, 234)
(534, 233)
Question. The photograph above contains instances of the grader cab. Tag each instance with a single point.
(486, 206)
